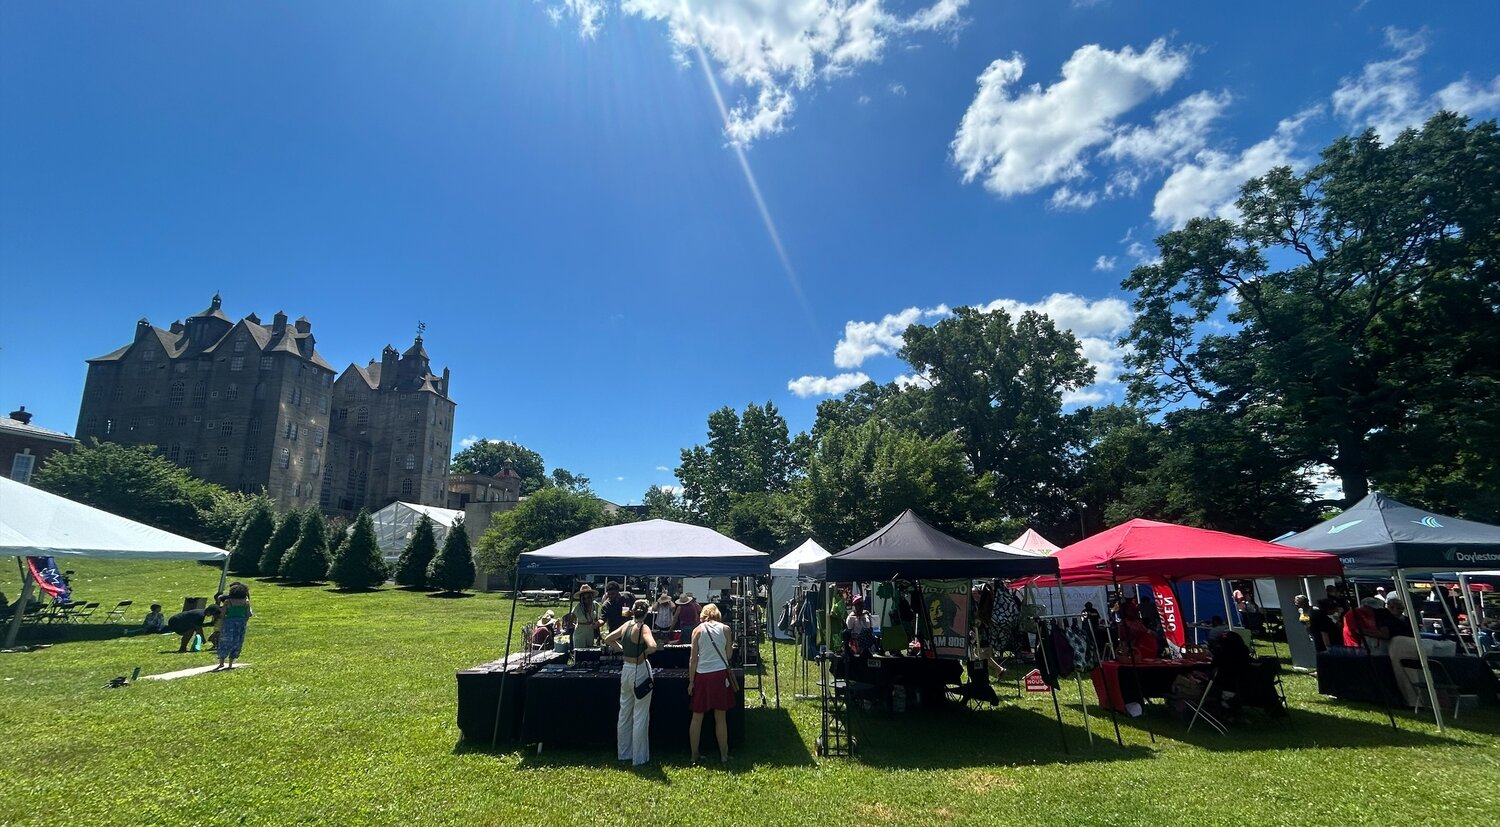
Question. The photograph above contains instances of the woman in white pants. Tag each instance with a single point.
(634, 725)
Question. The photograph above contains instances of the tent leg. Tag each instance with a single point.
(1062, 605)
(515, 593)
(1447, 612)
(1135, 671)
(1463, 588)
(27, 582)
(223, 575)
(1437, 710)
(775, 664)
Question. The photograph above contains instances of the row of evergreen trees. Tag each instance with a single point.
(297, 547)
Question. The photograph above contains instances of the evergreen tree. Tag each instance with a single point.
(282, 540)
(453, 569)
(308, 559)
(411, 569)
(357, 563)
(250, 544)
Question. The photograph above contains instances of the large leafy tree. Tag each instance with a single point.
(358, 564)
(307, 561)
(765, 522)
(488, 456)
(861, 477)
(997, 384)
(411, 568)
(663, 503)
(545, 517)
(1362, 311)
(254, 533)
(135, 482)
(745, 454)
(452, 570)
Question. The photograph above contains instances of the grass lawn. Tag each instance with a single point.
(346, 716)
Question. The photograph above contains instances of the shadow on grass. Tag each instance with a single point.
(1255, 731)
(771, 739)
(59, 633)
(413, 589)
(451, 595)
(342, 590)
(958, 738)
(309, 585)
(1485, 720)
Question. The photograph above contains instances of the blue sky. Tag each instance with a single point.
(554, 188)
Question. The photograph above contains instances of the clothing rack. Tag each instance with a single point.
(1082, 702)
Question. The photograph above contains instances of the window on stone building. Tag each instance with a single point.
(90, 425)
(222, 452)
(175, 392)
(411, 462)
(318, 436)
(211, 425)
(150, 422)
(362, 418)
(253, 426)
(286, 458)
(237, 363)
(364, 481)
(251, 452)
(140, 392)
(200, 392)
(291, 431)
(20, 467)
(232, 392)
(182, 421)
(323, 403)
(342, 415)
(429, 465)
(109, 426)
(265, 363)
(226, 428)
(406, 486)
(148, 355)
(174, 452)
(239, 345)
(134, 424)
(190, 455)
(118, 393)
(315, 465)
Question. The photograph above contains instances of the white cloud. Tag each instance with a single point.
(883, 338)
(1097, 323)
(1104, 264)
(805, 386)
(470, 441)
(674, 490)
(1019, 141)
(907, 380)
(1210, 183)
(898, 89)
(774, 49)
(1066, 198)
(619, 479)
(1174, 133)
(863, 99)
(1084, 396)
(664, 468)
(1386, 95)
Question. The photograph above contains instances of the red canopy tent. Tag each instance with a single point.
(1141, 551)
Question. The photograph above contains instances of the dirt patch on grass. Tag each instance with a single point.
(982, 781)
(876, 811)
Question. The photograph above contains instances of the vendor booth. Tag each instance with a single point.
(936, 572)
(784, 578)
(1161, 556)
(36, 525)
(1383, 537)
(572, 698)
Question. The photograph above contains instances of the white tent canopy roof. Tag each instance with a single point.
(652, 548)
(38, 524)
(805, 553)
(395, 524)
(1029, 542)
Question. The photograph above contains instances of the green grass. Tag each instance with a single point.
(346, 716)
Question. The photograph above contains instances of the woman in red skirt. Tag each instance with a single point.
(710, 681)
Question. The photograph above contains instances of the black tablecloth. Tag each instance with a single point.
(883, 670)
(1355, 676)
(479, 689)
(579, 708)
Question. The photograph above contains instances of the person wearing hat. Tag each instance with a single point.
(586, 634)
(687, 614)
(663, 615)
(542, 634)
(861, 627)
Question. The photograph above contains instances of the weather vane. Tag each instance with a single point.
(421, 328)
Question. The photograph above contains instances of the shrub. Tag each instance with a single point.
(357, 564)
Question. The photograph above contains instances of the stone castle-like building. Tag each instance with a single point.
(252, 406)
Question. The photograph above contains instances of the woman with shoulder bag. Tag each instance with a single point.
(634, 725)
(711, 682)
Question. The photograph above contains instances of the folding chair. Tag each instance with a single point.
(83, 613)
(1441, 681)
(1197, 705)
(65, 613)
(117, 614)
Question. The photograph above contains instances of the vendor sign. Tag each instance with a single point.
(948, 616)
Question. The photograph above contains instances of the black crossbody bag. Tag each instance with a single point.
(643, 688)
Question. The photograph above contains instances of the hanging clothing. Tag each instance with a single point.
(807, 623)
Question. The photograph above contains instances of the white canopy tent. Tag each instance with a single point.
(1054, 600)
(395, 524)
(784, 580)
(34, 523)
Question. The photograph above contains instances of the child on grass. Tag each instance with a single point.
(155, 621)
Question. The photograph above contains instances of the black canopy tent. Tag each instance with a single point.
(907, 548)
(1381, 536)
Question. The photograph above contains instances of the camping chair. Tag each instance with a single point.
(1441, 681)
(117, 614)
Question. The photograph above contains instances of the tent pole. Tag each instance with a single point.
(775, 664)
(515, 593)
(27, 582)
(1135, 671)
(1062, 604)
(224, 575)
(1437, 710)
(1463, 588)
(1229, 607)
(1255, 595)
(1448, 612)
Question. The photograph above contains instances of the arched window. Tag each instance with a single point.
(175, 393)
(406, 486)
(362, 417)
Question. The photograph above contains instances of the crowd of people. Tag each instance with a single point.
(229, 614)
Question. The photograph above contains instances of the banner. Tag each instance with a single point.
(48, 578)
(1171, 617)
(948, 616)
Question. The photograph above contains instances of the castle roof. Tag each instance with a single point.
(266, 340)
(213, 311)
(416, 349)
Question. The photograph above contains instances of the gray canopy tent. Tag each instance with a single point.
(650, 548)
(35, 523)
(1381, 536)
